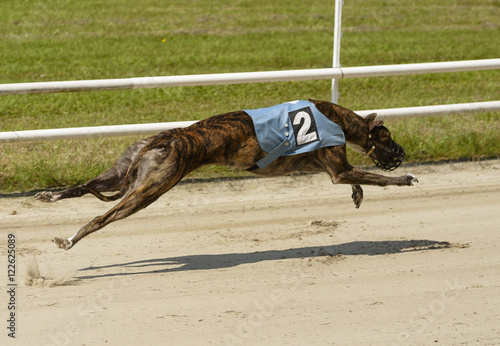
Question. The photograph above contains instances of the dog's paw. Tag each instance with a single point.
(65, 244)
(45, 196)
(357, 195)
(411, 179)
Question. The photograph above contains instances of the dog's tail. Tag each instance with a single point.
(129, 178)
(111, 198)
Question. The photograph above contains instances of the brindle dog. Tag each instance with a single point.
(152, 166)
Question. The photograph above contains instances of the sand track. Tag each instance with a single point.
(281, 261)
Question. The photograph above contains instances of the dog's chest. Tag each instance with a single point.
(293, 128)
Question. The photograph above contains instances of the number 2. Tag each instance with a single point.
(304, 126)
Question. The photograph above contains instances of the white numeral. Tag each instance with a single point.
(303, 137)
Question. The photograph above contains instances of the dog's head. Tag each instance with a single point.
(383, 151)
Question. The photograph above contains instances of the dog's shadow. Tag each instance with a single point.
(220, 261)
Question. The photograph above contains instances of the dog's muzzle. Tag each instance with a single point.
(389, 165)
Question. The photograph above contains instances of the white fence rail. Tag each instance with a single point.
(239, 78)
(147, 129)
(89, 132)
(248, 77)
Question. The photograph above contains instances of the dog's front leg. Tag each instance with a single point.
(359, 177)
(357, 195)
(333, 161)
(356, 177)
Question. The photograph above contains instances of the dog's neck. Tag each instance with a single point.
(355, 128)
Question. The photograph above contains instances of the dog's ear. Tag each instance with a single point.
(372, 123)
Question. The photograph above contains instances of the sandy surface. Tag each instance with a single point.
(285, 261)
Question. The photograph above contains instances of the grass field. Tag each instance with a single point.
(65, 40)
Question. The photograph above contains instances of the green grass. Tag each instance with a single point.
(66, 40)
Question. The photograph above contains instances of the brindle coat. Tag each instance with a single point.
(151, 167)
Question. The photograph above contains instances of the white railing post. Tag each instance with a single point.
(337, 35)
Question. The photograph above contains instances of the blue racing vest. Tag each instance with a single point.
(293, 128)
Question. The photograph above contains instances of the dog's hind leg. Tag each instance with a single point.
(150, 177)
(109, 181)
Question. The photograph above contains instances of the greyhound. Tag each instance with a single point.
(152, 166)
